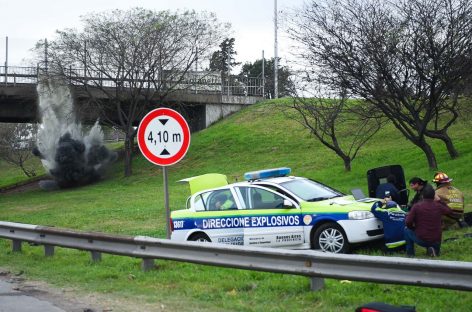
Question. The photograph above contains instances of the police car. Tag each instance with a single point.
(272, 208)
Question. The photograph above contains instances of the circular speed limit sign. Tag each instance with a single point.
(163, 136)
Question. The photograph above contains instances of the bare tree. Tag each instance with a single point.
(336, 121)
(407, 58)
(130, 61)
(16, 143)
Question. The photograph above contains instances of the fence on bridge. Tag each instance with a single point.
(201, 82)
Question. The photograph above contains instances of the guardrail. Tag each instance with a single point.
(313, 264)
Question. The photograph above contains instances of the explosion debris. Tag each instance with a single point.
(71, 157)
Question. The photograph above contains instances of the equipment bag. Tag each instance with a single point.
(384, 307)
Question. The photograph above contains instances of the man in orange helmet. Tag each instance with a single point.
(450, 196)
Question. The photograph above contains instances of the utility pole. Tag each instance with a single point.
(263, 75)
(46, 53)
(276, 69)
(6, 60)
(228, 59)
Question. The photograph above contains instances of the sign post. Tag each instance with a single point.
(164, 139)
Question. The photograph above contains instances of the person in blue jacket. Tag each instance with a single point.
(393, 219)
(388, 188)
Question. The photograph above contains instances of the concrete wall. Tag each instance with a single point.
(215, 112)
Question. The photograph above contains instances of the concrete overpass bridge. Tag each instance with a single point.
(204, 97)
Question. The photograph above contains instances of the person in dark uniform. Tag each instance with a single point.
(388, 189)
(393, 219)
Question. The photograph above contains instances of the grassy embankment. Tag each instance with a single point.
(258, 137)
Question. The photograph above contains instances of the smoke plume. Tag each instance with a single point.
(71, 157)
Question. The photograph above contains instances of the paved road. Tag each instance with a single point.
(20, 295)
(13, 299)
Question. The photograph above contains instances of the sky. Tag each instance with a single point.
(27, 21)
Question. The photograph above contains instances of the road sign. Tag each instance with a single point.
(163, 136)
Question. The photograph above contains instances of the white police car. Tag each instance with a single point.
(273, 209)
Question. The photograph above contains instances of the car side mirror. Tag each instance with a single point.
(288, 204)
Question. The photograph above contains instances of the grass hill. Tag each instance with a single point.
(258, 137)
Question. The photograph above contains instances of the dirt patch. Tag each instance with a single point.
(72, 300)
(25, 186)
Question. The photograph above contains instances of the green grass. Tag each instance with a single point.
(10, 174)
(255, 138)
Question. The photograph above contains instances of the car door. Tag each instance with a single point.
(221, 223)
(271, 219)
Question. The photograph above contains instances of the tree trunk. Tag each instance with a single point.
(128, 155)
(443, 136)
(428, 151)
(450, 147)
(347, 163)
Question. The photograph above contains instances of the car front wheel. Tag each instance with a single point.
(330, 237)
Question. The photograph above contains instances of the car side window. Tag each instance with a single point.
(278, 190)
(200, 201)
(258, 198)
(221, 200)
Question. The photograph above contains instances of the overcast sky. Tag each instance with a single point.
(27, 21)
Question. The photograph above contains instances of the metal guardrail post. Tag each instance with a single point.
(147, 264)
(16, 245)
(96, 256)
(48, 250)
(316, 283)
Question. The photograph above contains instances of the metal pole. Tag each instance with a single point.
(196, 69)
(263, 75)
(85, 62)
(46, 53)
(196, 58)
(6, 60)
(229, 62)
(276, 70)
(166, 201)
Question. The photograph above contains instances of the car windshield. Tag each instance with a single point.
(310, 190)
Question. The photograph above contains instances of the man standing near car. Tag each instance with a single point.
(424, 223)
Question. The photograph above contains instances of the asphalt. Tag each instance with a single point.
(13, 299)
(18, 294)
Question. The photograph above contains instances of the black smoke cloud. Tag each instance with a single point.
(76, 164)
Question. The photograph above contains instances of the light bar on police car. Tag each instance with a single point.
(267, 173)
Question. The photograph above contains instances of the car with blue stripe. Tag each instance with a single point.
(272, 208)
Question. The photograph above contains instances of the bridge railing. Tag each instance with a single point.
(13, 75)
(203, 82)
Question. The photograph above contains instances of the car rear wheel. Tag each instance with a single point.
(199, 237)
(330, 237)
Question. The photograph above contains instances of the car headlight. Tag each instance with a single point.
(360, 214)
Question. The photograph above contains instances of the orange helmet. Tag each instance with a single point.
(441, 177)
